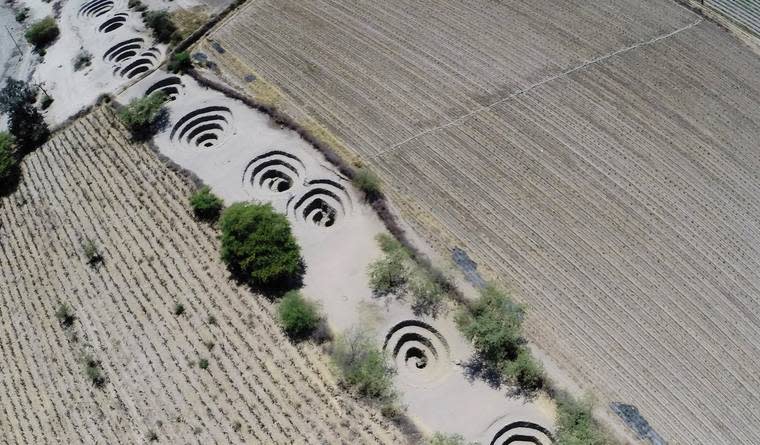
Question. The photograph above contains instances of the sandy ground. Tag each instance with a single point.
(337, 257)
(74, 90)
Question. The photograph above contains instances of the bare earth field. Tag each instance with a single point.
(599, 157)
(87, 182)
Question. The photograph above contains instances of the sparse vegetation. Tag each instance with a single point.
(137, 5)
(22, 15)
(299, 317)
(91, 252)
(82, 60)
(144, 115)
(25, 122)
(152, 436)
(162, 25)
(65, 315)
(42, 33)
(258, 246)
(206, 205)
(494, 325)
(180, 62)
(397, 273)
(46, 102)
(93, 371)
(8, 160)
(447, 439)
(363, 366)
(368, 182)
(576, 424)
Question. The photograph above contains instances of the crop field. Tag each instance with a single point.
(599, 157)
(180, 353)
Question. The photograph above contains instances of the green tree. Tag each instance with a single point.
(298, 316)
(494, 324)
(206, 205)
(258, 245)
(143, 115)
(42, 33)
(180, 62)
(25, 122)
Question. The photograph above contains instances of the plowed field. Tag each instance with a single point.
(600, 157)
(88, 183)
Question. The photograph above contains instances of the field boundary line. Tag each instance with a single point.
(531, 87)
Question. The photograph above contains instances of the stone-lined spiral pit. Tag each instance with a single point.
(274, 172)
(522, 433)
(420, 352)
(117, 21)
(123, 50)
(322, 204)
(95, 8)
(142, 63)
(203, 128)
(169, 86)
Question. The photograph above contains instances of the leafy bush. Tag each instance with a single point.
(91, 252)
(389, 274)
(82, 60)
(298, 316)
(179, 309)
(397, 273)
(427, 290)
(160, 22)
(494, 324)
(25, 123)
(94, 372)
(180, 62)
(576, 424)
(143, 115)
(22, 15)
(203, 363)
(362, 365)
(206, 205)
(524, 371)
(368, 182)
(65, 315)
(258, 246)
(8, 161)
(42, 33)
(137, 5)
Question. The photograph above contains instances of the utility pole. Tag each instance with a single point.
(14, 40)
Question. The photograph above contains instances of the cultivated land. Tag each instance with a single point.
(599, 157)
(88, 183)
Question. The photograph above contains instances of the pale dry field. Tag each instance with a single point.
(599, 157)
(88, 182)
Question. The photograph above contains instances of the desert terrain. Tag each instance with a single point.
(599, 158)
(88, 183)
